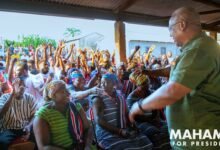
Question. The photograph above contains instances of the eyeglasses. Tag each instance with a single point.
(191, 23)
(171, 26)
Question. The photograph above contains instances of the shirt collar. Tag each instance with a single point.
(185, 47)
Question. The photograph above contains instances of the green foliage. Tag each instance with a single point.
(72, 32)
(8, 43)
(26, 41)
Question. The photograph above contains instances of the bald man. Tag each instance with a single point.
(192, 94)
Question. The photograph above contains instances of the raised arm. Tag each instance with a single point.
(70, 51)
(8, 102)
(11, 68)
(56, 58)
(133, 53)
(93, 80)
(36, 58)
(8, 58)
(50, 50)
(61, 64)
(45, 58)
(164, 72)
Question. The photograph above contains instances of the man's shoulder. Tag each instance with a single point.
(5, 96)
(205, 42)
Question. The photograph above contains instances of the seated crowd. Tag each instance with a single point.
(79, 99)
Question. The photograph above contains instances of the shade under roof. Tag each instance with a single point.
(152, 12)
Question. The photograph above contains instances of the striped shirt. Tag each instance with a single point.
(20, 112)
(58, 123)
(111, 111)
(110, 141)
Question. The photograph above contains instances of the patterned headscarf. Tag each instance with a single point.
(133, 76)
(142, 79)
(132, 64)
(51, 88)
(76, 74)
(110, 77)
(138, 78)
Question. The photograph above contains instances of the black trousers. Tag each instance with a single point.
(7, 136)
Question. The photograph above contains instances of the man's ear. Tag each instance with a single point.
(183, 26)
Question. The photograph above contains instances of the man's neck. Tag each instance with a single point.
(19, 97)
(190, 36)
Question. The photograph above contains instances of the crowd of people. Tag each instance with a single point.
(80, 99)
(52, 92)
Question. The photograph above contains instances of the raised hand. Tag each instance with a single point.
(13, 60)
(27, 130)
(16, 85)
(125, 133)
(137, 48)
(96, 90)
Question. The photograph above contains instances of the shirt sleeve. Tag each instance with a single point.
(193, 68)
(33, 105)
(42, 113)
(3, 100)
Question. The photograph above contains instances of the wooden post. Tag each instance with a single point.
(213, 35)
(120, 42)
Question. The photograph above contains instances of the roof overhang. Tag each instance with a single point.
(131, 11)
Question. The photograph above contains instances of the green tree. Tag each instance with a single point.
(72, 32)
(26, 41)
(8, 43)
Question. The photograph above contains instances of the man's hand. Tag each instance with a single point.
(44, 46)
(13, 60)
(96, 90)
(16, 86)
(134, 111)
(72, 46)
(125, 133)
(137, 48)
(27, 130)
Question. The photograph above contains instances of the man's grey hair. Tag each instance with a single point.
(186, 14)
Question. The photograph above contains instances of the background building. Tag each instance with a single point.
(161, 47)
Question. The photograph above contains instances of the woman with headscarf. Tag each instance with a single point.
(60, 124)
(80, 91)
(149, 123)
(112, 127)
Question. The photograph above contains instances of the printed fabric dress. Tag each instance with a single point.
(113, 116)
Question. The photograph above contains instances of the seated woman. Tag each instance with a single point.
(150, 123)
(80, 91)
(112, 127)
(60, 124)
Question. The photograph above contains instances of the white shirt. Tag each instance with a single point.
(25, 57)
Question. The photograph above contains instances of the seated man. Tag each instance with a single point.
(16, 113)
(111, 120)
